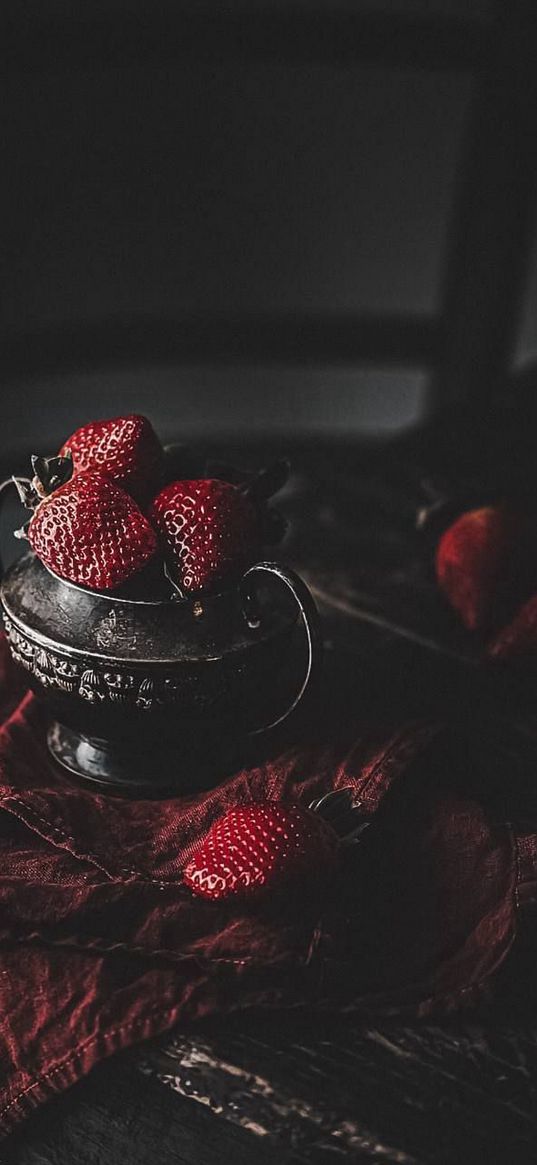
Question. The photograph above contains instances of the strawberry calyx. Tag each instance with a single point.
(268, 481)
(49, 473)
(444, 502)
(259, 489)
(259, 485)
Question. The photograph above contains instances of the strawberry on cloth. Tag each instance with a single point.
(263, 847)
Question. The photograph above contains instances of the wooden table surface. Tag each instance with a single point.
(300, 1088)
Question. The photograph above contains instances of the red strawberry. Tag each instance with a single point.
(477, 559)
(126, 449)
(210, 529)
(519, 638)
(91, 532)
(261, 847)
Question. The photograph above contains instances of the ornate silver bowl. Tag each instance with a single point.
(158, 696)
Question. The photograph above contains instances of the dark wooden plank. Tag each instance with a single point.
(390, 1092)
(120, 1117)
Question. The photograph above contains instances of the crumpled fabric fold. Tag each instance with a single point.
(102, 946)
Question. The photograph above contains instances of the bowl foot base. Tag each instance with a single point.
(145, 768)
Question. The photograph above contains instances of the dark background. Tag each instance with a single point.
(204, 203)
(266, 220)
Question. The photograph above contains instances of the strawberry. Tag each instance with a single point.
(89, 531)
(261, 848)
(478, 558)
(125, 449)
(519, 638)
(210, 529)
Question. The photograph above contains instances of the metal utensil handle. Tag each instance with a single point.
(310, 619)
(4, 488)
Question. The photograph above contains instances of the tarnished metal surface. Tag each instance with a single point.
(183, 680)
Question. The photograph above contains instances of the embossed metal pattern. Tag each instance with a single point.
(111, 670)
(96, 684)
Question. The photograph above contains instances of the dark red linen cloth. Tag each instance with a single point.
(102, 946)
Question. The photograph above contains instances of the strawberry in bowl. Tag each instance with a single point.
(90, 531)
(212, 528)
(210, 532)
(125, 449)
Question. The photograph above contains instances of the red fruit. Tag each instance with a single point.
(210, 529)
(126, 449)
(519, 638)
(477, 559)
(261, 847)
(91, 532)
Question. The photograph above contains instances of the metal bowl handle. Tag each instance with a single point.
(310, 618)
(3, 490)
